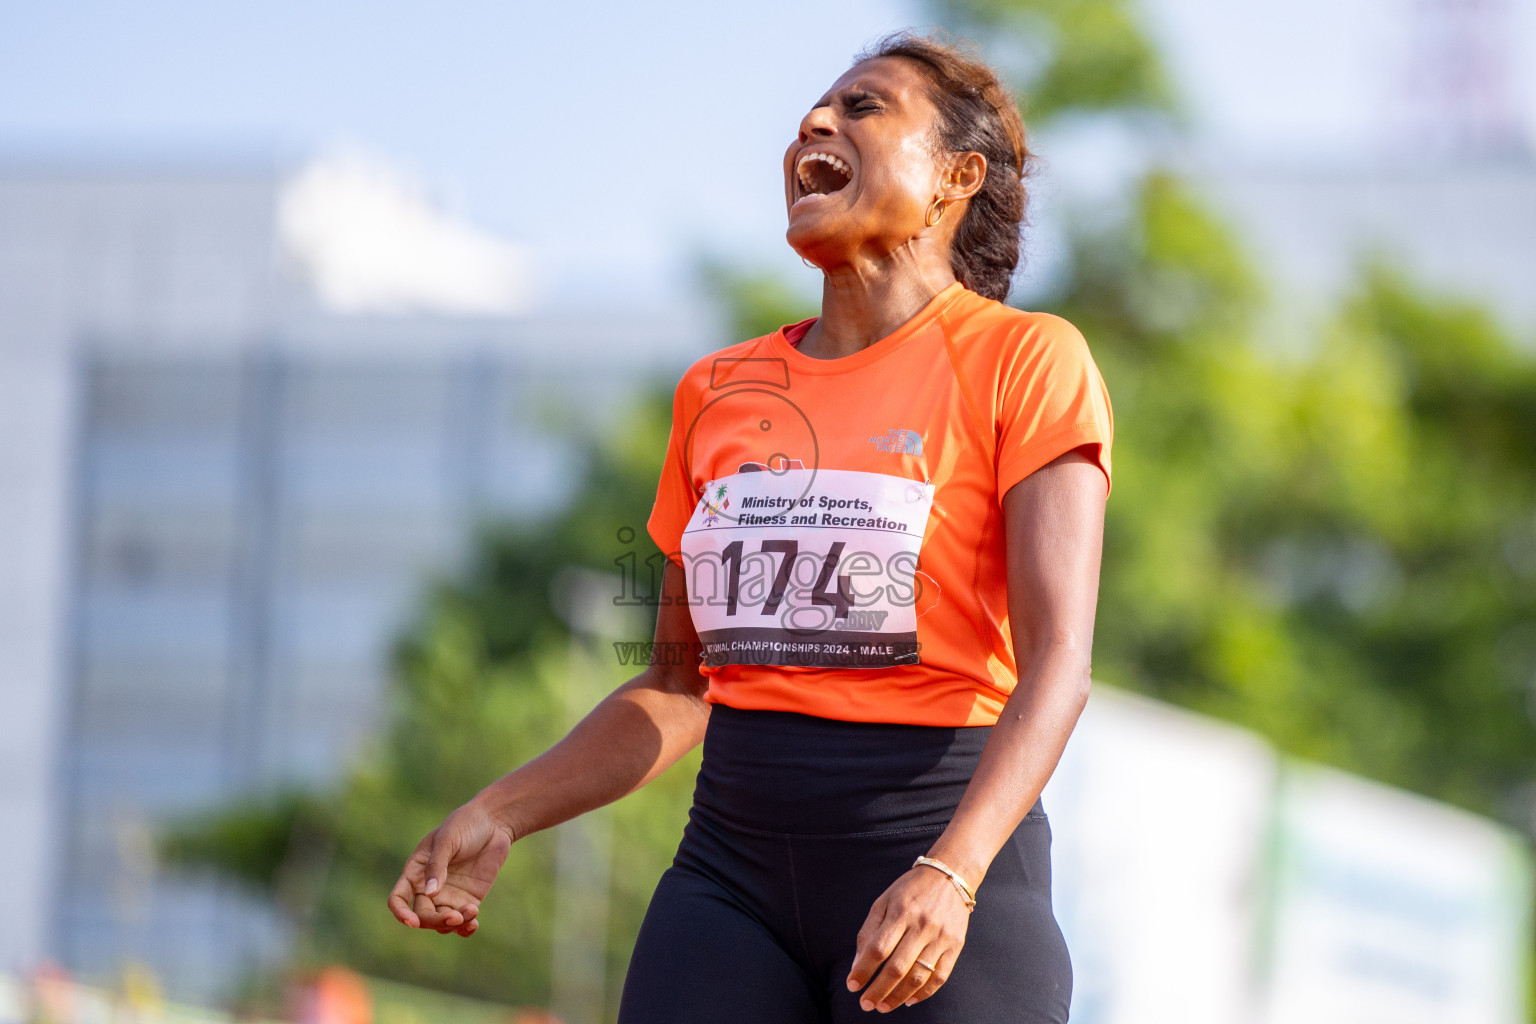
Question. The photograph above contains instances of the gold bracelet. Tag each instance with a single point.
(966, 892)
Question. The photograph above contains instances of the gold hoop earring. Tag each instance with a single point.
(930, 219)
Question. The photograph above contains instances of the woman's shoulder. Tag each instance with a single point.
(996, 328)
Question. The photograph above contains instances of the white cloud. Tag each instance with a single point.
(370, 242)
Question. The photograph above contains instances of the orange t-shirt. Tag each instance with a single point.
(840, 522)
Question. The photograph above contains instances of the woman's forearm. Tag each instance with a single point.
(632, 736)
(1054, 521)
(1022, 752)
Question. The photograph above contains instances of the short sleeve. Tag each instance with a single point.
(1051, 400)
(675, 497)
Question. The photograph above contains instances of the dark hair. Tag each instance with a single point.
(976, 114)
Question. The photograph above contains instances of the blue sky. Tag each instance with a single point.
(611, 135)
(617, 139)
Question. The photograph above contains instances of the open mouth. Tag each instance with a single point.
(822, 174)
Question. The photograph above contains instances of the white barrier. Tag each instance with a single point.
(1202, 879)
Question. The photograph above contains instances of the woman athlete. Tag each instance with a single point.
(884, 528)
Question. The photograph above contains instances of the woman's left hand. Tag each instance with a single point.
(920, 917)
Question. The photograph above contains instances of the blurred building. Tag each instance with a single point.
(1464, 228)
(1406, 137)
(243, 419)
(1403, 135)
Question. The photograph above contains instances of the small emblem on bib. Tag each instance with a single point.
(715, 504)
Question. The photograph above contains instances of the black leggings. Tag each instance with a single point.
(798, 825)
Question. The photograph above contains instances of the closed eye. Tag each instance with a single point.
(860, 103)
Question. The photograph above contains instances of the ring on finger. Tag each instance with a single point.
(926, 964)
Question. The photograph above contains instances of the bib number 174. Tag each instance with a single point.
(840, 599)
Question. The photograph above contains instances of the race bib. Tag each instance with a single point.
(807, 567)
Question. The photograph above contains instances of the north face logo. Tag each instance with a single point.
(905, 442)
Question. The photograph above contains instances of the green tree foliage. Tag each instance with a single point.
(1336, 548)
(1333, 547)
(482, 683)
(1072, 56)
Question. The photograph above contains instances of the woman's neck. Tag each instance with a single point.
(860, 305)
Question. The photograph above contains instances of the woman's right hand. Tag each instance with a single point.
(450, 872)
(628, 739)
